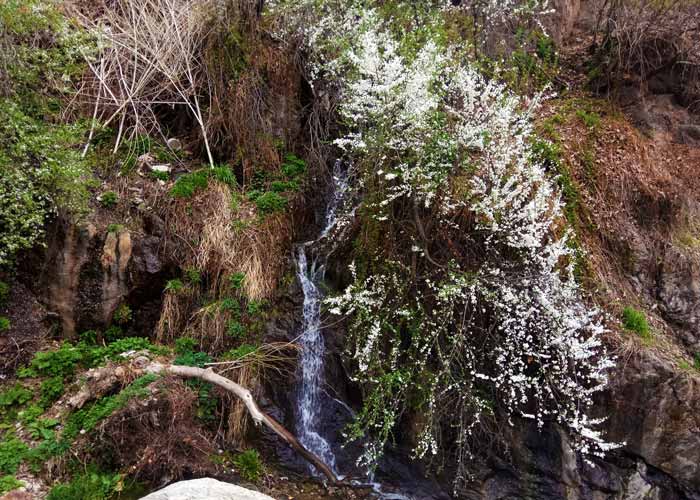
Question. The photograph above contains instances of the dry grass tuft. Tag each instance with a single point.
(276, 359)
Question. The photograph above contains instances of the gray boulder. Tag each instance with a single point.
(205, 489)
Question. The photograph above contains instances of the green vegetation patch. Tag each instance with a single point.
(9, 483)
(635, 321)
(249, 465)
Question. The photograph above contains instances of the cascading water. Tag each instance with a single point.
(311, 260)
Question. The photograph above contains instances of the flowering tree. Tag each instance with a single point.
(464, 309)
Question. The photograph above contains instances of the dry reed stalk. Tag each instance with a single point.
(151, 56)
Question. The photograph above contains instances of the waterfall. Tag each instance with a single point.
(311, 261)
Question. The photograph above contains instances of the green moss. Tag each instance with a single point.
(115, 228)
(4, 324)
(635, 321)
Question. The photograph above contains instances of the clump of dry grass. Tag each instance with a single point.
(174, 314)
(648, 38)
(151, 57)
(276, 359)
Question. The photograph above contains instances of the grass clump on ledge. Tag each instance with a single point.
(187, 185)
(249, 465)
(635, 321)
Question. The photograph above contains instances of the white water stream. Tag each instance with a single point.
(311, 261)
(310, 271)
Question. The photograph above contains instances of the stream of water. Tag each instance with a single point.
(311, 261)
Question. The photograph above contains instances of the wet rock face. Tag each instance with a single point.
(655, 409)
(85, 274)
(679, 295)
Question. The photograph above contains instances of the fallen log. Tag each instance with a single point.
(258, 416)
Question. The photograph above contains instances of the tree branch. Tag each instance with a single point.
(256, 414)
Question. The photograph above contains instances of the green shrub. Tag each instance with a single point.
(89, 337)
(4, 292)
(270, 202)
(40, 158)
(224, 174)
(590, 119)
(12, 452)
(198, 359)
(51, 389)
(113, 333)
(15, 396)
(174, 286)
(184, 345)
(9, 483)
(235, 329)
(284, 186)
(115, 228)
(249, 465)
(254, 307)
(239, 352)
(126, 344)
(30, 414)
(43, 428)
(91, 485)
(236, 280)
(122, 315)
(229, 304)
(59, 363)
(161, 176)
(4, 324)
(193, 275)
(187, 185)
(109, 199)
(293, 166)
(635, 321)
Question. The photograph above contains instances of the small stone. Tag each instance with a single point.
(165, 168)
(174, 144)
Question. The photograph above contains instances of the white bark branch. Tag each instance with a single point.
(208, 375)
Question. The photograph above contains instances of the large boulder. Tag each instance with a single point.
(205, 489)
